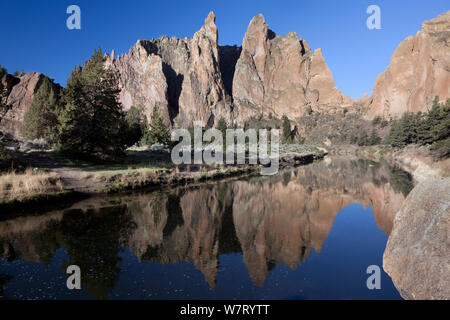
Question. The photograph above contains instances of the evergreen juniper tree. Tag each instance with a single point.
(41, 119)
(374, 139)
(403, 131)
(137, 125)
(222, 126)
(158, 132)
(441, 132)
(286, 129)
(428, 122)
(363, 139)
(92, 120)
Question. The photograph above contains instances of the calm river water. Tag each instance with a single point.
(308, 233)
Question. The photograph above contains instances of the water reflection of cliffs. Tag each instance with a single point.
(186, 228)
(280, 221)
(276, 220)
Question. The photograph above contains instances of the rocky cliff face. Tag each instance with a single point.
(20, 91)
(280, 75)
(197, 80)
(419, 70)
(142, 81)
(180, 76)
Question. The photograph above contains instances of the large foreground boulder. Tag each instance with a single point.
(417, 255)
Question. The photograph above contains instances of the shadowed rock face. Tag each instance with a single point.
(419, 70)
(182, 76)
(276, 220)
(229, 56)
(142, 81)
(20, 92)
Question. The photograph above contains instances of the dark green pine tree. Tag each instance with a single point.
(222, 126)
(441, 132)
(363, 139)
(409, 126)
(158, 132)
(41, 119)
(286, 129)
(429, 121)
(92, 121)
(403, 131)
(374, 139)
(137, 125)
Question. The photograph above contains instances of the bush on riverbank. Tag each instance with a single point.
(342, 129)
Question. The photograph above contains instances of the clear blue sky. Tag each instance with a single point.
(34, 36)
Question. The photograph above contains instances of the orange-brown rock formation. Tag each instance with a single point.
(20, 92)
(419, 70)
(280, 75)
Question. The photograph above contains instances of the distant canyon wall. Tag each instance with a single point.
(196, 79)
(419, 70)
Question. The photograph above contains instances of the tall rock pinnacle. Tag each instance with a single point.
(280, 75)
(180, 76)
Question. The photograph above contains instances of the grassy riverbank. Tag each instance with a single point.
(50, 175)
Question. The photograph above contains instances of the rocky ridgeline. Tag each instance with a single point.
(198, 80)
(180, 76)
(280, 75)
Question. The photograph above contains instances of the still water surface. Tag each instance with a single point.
(308, 233)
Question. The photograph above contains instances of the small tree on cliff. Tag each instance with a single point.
(92, 121)
(41, 119)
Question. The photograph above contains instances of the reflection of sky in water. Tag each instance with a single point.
(192, 238)
(338, 272)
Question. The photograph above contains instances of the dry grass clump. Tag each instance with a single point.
(16, 186)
